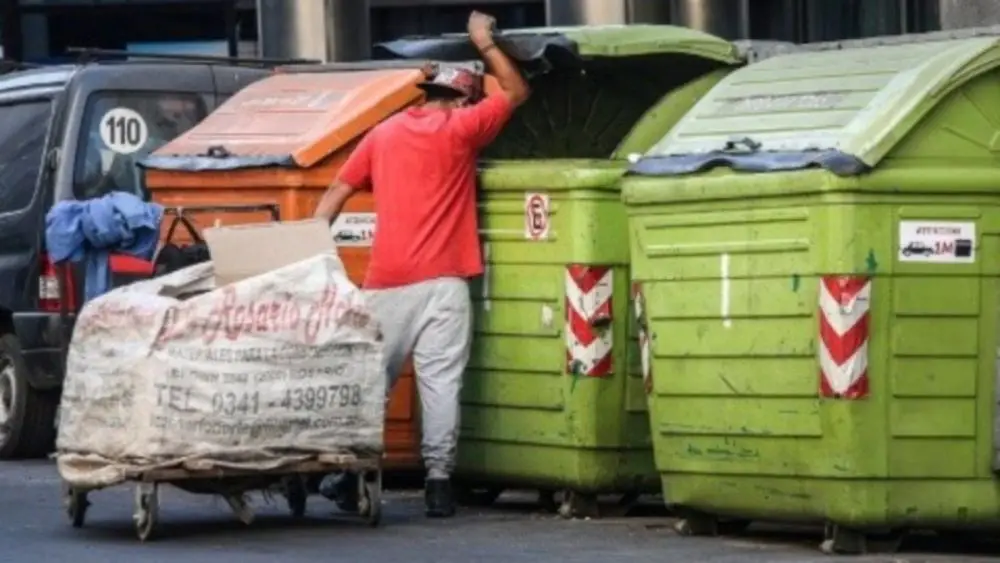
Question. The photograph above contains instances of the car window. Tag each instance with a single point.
(23, 127)
(119, 129)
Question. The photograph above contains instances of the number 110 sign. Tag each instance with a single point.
(123, 130)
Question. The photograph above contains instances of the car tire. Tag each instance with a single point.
(27, 415)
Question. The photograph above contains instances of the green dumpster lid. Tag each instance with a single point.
(530, 45)
(590, 85)
(857, 102)
(634, 40)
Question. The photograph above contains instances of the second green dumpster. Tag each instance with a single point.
(816, 245)
(549, 402)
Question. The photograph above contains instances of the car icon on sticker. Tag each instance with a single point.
(917, 249)
(348, 236)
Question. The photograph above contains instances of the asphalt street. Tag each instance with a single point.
(196, 529)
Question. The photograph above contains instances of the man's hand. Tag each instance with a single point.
(481, 29)
(429, 69)
(502, 68)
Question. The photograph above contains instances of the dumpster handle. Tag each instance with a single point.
(217, 151)
(733, 144)
(181, 216)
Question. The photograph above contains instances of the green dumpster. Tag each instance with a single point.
(549, 401)
(815, 249)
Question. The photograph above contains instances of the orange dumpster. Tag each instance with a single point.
(281, 142)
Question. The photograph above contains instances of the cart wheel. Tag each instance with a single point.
(843, 541)
(373, 492)
(579, 505)
(370, 501)
(76, 506)
(241, 508)
(147, 508)
(695, 523)
(296, 495)
(547, 500)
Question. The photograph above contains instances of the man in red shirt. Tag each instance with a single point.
(421, 167)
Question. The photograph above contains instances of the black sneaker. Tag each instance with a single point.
(439, 499)
(341, 488)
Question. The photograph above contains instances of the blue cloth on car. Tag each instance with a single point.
(89, 231)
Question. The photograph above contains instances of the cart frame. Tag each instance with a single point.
(292, 477)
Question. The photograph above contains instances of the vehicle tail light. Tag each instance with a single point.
(48, 288)
(126, 265)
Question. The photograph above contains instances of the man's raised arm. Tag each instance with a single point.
(498, 64)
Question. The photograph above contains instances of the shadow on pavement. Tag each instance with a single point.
(916, 543)
(403, 511)
(219, 525)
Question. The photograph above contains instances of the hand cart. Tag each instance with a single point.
(294, 481)
(291, 481)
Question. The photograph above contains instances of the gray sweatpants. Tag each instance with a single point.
(433, 320)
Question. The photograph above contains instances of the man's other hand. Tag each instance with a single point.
(481, 28)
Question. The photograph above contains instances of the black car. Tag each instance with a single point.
(918, 249)
(75, 132)
(347, 236)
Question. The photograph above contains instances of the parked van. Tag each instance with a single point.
(76, 132)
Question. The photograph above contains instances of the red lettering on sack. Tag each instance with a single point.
(231, 319)
(321, 313)
(174, 322)
(261, 316)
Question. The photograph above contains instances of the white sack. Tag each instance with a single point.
(257, 374)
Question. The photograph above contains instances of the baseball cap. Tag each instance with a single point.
(452, 81)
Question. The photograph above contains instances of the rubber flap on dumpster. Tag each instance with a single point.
(590, 85)
(540, 49)
(292, 119)
(266, 358)
(842, 110)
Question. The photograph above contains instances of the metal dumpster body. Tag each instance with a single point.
(814, 257)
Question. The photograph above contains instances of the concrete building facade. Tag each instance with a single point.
(42, 30)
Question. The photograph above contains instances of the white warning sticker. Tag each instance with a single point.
(937, 241)
(536, 216)
(354, 229)
(123, 130)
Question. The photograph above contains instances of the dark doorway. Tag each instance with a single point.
(115, 26)
(390, 23)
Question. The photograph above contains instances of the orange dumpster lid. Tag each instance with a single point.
(291, 119)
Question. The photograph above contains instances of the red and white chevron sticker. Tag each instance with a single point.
(844, 304)
(589, 338)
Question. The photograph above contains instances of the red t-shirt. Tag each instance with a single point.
(421, 166)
